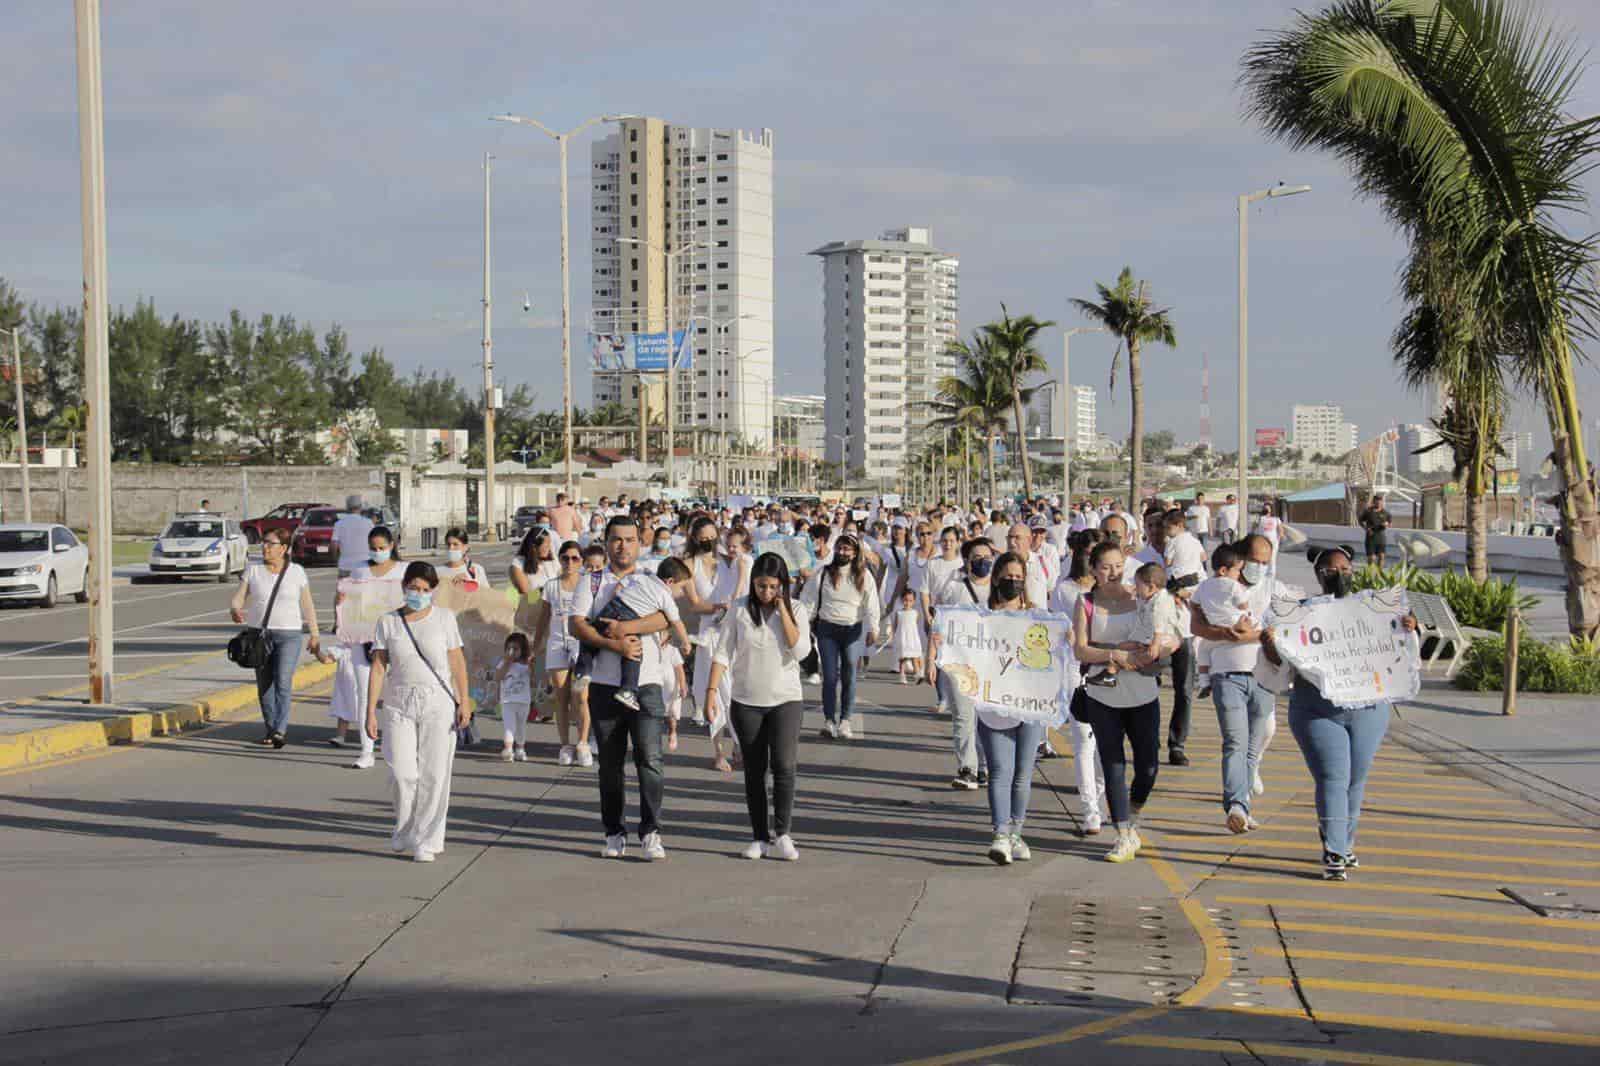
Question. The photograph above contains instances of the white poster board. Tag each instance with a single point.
(1354, 649)
(1018, 664)
(798, 552)
(363, 603)
(485, 616)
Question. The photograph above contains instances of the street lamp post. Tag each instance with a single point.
(1066, 407)
(1244, 332)
(488, 364)
(22, 423)
(561, 140)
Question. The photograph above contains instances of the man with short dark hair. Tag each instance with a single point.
(1375, 520)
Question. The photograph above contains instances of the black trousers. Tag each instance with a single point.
(1183, 674)
(769, 738)
(1142, 728)
(614, 726)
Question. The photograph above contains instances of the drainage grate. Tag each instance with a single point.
(1077, 951)
(1556, 902)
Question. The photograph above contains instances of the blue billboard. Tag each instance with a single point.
(648, 352)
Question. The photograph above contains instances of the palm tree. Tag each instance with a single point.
(1455, 116)
(1126, 312)
(1012, 340)
(977, 397)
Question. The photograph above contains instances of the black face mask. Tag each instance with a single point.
(1338, 583)
(981, 567)
(1113, 538)
(1009, 588)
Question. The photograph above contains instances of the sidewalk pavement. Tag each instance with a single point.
(161, 701)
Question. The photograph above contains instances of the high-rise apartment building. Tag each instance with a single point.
(1421, 466)
(1084, 429)
(889, 311)
(1320, 429)
(698, 202)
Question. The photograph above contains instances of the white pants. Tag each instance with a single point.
(419, 744)
(514, 719)
(1086, 757)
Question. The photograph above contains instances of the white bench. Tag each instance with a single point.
(1435, 619)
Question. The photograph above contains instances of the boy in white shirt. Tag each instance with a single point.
(1224, 601)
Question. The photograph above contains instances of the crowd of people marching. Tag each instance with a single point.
(648, 616)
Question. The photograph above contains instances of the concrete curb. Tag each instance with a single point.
(41, 746)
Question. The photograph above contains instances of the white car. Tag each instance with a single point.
(205, 544)
(41, 562)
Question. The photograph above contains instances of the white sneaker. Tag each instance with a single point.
(1000, 849)
(1250, 824)
(845, 732)
(756, 849)
(1091, 824)
(506, 755)
(423, 855)
(653, 849)
(1124, 849)
(1138, 841)
(585, 757)
(616, 847)
(829, 730)
(363, 762)
(568, 755)
(1238, 820)
(1020, 852)
(1257, 786)
(519, 754)
(783, 848)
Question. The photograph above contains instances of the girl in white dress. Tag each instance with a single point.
(514, 675)
(908, 637)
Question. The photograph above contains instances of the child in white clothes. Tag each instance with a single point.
(1225, 602)
(348, 704)
(907, 638)
(673, 690)
(515, 678)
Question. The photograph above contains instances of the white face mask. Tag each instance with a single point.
(1255, 573)
(455, 556)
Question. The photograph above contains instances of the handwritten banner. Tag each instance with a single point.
(485, 616)
(797, 552)
(1018, 664)
(363, 603)
(1354, 649)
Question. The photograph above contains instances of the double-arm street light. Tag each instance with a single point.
(561, 140)
(1244, 334)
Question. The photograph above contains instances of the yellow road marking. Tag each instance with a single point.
(1516, 915)
(1459, 995)
(1429, 936)
(1412, 820)
(1469, 838)
(1435, 964)
(1420, 853)
(1360, 885)
(1317, 1053)
(1217, 967)
(1413, 804)
(1066, 1036)
(1407, 871)
(1424, 1025)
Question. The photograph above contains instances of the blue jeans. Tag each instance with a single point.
(1011, 754)
(1339, 744)
(275, 681)
(614, 726)
(1243, 710)
(839, 648)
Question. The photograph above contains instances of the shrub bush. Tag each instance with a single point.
(1573, 666)
(1478, 604)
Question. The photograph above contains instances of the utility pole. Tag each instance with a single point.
(97, 377)
(489, 534)
(22, 423)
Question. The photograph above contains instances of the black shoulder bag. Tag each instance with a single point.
(249, 647)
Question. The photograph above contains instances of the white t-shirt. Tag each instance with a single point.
(938, 572)
(643, 591)
(1184, 555)
(843, 603)
(1241, 658)
(1199, 516)
(517, 686)
(350, 533)
(995, 533)
(1228, 517)
(917, 574)
(955, 593)
(286, 614)
(765, 671)
(1042, 575)
(437, 635)
(560, 641)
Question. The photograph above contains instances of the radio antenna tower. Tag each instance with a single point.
(1205, 401)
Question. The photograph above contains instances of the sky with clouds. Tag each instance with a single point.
(324, 159)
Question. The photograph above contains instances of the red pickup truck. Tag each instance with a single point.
(285, 517)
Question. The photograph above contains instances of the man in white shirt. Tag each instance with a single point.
(615, 726)
(1199, 517)
(1019, 542)
(1184, 558)
(350, 534)
(1228, 520)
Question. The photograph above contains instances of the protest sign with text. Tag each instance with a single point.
(362, 603)
(1013, 663)
(1354, 649)
(485, 616)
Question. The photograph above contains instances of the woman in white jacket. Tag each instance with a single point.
(760, 644)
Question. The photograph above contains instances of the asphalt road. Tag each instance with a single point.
(46, 651)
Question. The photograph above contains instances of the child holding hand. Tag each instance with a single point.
(514, 676)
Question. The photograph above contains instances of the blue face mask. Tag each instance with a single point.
(981, 567)
(418, 601)
(381, 556)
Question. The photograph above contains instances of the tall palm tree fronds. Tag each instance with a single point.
(1013, 343)
(1126, 311)
(1455, 115)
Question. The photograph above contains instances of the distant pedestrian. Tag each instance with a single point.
(419, 675)
(350, 537)
(759, 645)
(1228, 520)
(1375, 520)
(348, 703)
(275, 596)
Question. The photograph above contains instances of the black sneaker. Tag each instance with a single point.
(983, 777)
(964, 778)
(1176, 757)
(1334, 867)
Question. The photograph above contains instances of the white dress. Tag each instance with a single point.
(706, 585)
(908, 633)
(561, 647)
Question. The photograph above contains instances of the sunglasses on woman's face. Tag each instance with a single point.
(572, 558)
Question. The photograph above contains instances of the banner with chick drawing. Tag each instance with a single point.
(1018, 664)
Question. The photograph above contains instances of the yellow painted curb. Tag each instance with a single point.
(39, 746)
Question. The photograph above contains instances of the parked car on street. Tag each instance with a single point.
(201, 544)
(526, 517)
(285, 516)
(312, 543)
(383, 516)
(41, 562)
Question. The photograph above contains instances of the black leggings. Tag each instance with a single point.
(769, 736)
(1142, 726)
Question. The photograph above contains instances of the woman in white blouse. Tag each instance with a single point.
(846, 604)
(760, 643)
(560, 650)
(419, 674)
(460, 568)
(349, 701)
(291, 608)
